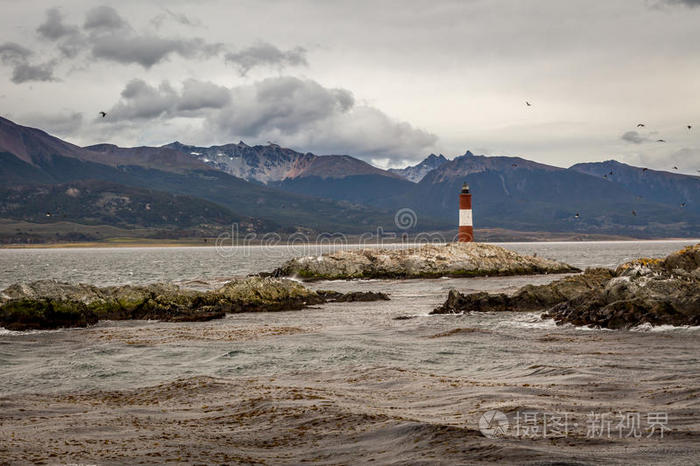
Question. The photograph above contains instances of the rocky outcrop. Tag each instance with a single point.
(653, 291)
(427, 261)
(48, 304)
(529, 297)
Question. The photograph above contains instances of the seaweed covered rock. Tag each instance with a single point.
(51, 304)
(256, 294)
(43, 313)
(427, 261)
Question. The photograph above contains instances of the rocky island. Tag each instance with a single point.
(652, 291)
(48, 304)
(427, 261)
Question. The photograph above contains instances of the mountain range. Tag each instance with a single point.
(272, 188)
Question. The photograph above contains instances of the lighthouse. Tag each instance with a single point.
(466, 230)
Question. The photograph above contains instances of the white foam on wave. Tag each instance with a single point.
(528, 320)
(647, 327)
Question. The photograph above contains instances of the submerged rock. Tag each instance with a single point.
(49, 304)
(427, 261)
(353, 296)
(654, 291)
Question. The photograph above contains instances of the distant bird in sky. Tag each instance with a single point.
(660, 140)
(528, 103)
(640, 125)
(104, 114)
(634, 212)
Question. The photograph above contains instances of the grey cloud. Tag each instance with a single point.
(197, 95)
(25, 72)
(54, 28)
(104, 18)
(688, 3)
(296, 112)
(141, 101)
(264, 54)
(60, 124)
(11, 53)
(17, 56)
(176, 17)
(149, 50)
(634, 137)
(69, 40)
(306, 115)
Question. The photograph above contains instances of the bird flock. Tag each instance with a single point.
(644, 169)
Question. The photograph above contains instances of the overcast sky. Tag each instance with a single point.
(387, 81)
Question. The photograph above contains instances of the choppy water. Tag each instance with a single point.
(347, 347)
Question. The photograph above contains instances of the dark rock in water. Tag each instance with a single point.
(52, 304)
(528, 298)
(35, 314)
(353, 296)
(643, 291)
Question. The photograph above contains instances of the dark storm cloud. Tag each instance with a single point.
(264, 54)
(104, 18)
(634, 137)
(148, 50)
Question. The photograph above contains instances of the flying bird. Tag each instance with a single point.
(104, 114)
(528, 103)
(640, 125)
(660, 140)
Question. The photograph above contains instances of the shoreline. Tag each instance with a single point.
(192, 244)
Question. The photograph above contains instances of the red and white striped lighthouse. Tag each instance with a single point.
(466, 230)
